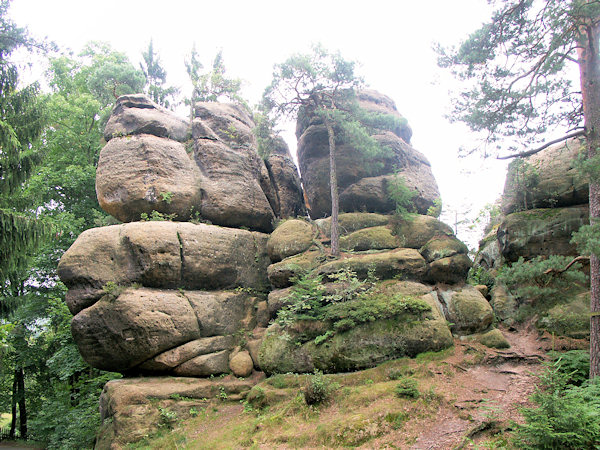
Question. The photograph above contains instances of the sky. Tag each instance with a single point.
(391, 39)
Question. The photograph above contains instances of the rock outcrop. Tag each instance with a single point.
(401, 281)
(192, 285)
(543, 204)
(209, 169)
(363, 180)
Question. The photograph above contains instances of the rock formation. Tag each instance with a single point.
(363, 180)
(189, 284)
(157, 163)
(543, 204)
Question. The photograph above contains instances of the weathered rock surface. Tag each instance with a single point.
(137, 114)
(364, 345)
(130, 408)
(540, 232)
(289, 239)
(144, 173)
(157, 330)
(468, 310)
(363, 180)
(162, 255)
(155, 162)
(286, 181)
(548, 179)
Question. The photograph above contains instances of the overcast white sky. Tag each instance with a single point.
(392, 39)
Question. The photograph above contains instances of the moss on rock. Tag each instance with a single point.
(570, 319)
(468, 310)
(415, 231)
(442, 247)
(364, 346)
(350, 222)
(281, 273)
(401, 263)
(290, 238)
(492, 339)
(451, 270)
(375, 238)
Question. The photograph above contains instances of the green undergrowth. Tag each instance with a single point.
(353, 409)
(341, 305)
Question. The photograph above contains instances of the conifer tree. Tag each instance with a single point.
(156, 77)
(517, 67)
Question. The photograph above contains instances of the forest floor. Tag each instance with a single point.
(469, 397)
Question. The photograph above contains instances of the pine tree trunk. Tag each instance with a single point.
(335, 234)
(22, 409)
(589, 67)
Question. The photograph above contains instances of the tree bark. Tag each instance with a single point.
(22, 409)
(335, 234)
(13, 408)
(589, 68)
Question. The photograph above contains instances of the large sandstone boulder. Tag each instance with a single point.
(143, 173)
(162, 255)
(157, 330)
(547, 179)
(156, 164)
(363, 180)
(414, 326)
(132, 409)
(540, 232)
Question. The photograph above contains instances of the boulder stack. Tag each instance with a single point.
(363, 179)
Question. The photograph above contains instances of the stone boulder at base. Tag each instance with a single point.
(157, 163)
(363, 180)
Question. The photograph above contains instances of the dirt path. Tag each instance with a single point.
(484, 395)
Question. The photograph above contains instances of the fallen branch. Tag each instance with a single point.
(546, 145)
(567, 267)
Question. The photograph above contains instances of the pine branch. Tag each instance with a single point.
(554, 271)
(546, 145)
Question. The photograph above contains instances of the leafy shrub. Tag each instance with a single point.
(566, 417)
(407, 388)
(318, 389)
(478, 275)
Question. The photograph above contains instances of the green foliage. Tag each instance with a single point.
(478, 275)
(22, 119)
(214, 85)
(168, 418)
(574, 365)
(516, 82)
(157, 216)
(566, 416)
(436, 209)
(318, 389)
(156, 77)
(528, 281)
(587, 239)
(407, 388)
(346, 303)
(401, 195)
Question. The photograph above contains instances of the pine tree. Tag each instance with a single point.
(156, 77)
(517, 68)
